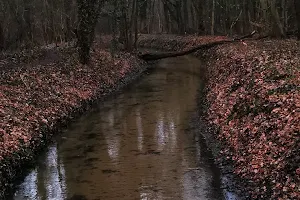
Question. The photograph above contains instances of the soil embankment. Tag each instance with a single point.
(253, 99)
(42, 89)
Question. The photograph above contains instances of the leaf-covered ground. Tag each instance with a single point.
(40, 87)
(254, 99)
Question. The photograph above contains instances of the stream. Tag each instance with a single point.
(138, 144)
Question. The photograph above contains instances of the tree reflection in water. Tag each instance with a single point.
(47, 181)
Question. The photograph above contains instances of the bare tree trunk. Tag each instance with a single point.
(271, 18)
(212, 30)
(114, 28)
(28, 20)
(51, 28)
(297, 8)
(67, 31)
(185, 17)
(167, 19)
(88, 11)
(198, 6)
(157, 56)
(135, 24)
(181, 22)
(2, 40)
(276, 23)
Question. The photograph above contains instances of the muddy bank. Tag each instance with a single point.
(253, 105)
(43, 90)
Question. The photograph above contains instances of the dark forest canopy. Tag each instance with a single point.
(33, 22)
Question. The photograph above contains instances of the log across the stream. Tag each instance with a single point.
(157, 56)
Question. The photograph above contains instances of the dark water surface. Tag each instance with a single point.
(136, 145)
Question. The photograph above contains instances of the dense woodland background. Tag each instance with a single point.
(27, 23)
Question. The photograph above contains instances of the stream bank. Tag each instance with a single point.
(253, 107)
(44, 89)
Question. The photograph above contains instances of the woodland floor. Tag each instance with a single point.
(254, 100)
(41, 87)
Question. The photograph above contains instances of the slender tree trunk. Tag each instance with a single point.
(67, 31)
(179, 17)
(167, 19)
(297, 8)
(2, 40)
(114, 28)
(185, 16)
(212, 30)
(199, 10)
(28, 20)
(51, 31)
(136, 24)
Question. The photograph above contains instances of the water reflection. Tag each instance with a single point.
(136, 146)
(47, 181)
(31, 186)
(160, 132)
(113, 142)
(139, 128)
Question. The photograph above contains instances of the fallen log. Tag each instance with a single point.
(157, 56)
